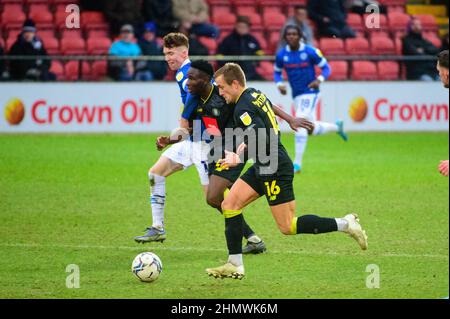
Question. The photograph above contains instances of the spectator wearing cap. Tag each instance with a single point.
(331, 18)
(241, 42)
(124, 47)
(150, 70)
(300, 19)
(194, 16)
(29, 44)
(415, 45)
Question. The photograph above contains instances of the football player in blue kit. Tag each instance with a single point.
(299, 61)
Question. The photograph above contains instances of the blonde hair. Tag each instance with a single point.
(232, 72)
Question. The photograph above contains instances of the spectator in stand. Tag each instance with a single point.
(28, 43)
(360, 6)
(120, 12)
(125, 47)
(299, 19)
(331, 18)
(150, 70)
(241, 42)
(415, 45)
(196, 48)
(194, 16)
(160, 12)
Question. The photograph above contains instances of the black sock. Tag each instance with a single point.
(247, 231)
(310, 224)
(233, 234)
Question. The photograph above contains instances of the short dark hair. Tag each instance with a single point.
(243, 19)
(204, 67)
(175, 40)
(443, 59)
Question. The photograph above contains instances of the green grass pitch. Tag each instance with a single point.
(80, 199)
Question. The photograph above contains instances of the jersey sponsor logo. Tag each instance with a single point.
(303, 56)
(179, 76)
(286, 58)
(216, 112)
(246, 119)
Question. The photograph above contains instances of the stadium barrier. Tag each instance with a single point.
(155, 106)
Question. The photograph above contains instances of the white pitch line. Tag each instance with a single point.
(162, 247)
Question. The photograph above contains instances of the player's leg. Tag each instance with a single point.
(169, 163)
(217, 191)
(288, 224)
(301, 136)
(241, 195)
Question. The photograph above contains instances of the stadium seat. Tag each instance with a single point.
(355, 22)
(13, 33)
(262, 41)
(92, 20)
(266, 70)
(219, 2)
(41, 16)
(98, 46)
(46, 33)
(357, 46)
(388, 70)
(382, 46)
(12, 16)
(433, 38)
(58, 69)
(398, 21)
(73, 46)
(256, 21)
(274, 21)
(211, 44)
(71, 33)
(9, 43)
(224, 21)
(60, 19)
(429, 22)
(398, 46)
(270, 6)
(51, 44)
(246, 10)
(220, 9)
(339, 70)
(331, 46)
(368, 20)
(99, 69)
(99, 34)
(72, 70)
(364, 71)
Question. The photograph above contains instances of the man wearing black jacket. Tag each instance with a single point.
(241, 42)
(29, 44)
(415, 44)
(331, 18)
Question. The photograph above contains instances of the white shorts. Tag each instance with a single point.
(188, 153)
(305, 106)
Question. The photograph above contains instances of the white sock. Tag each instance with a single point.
(254, 239)
(236, 260)
(324, 128)
(158, 199)
(342, 224)
(301, 139)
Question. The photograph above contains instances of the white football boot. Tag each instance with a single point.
(355, 230)
(227, 271)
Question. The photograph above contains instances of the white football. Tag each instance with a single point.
(147, 267)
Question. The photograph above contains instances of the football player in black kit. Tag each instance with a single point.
(273, 178)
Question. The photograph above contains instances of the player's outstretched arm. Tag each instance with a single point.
(443, 168)
(294, 123)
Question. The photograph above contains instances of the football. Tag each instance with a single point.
(147, 267)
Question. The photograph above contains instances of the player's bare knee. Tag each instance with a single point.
(285, 229)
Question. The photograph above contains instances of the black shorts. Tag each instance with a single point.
(231, 174)
(277, 189)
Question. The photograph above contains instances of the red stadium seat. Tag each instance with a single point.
(12, 16)
(364, 71)
(9, 43)
(97, 34)
(368, 21)
(245, 10)
(92, 20)
(383, 46)
(398, 46)
(13, 33)
(220, 9)
(266, 70)
(51, 44)
(41, 16)
(274, 21)
(433, 38)
(339, 70)
(211, 44)
(398, 21)
(270, 6)
(357, 46)
(428, 22)
(71, 33)
(58, 69)
(72, 70)
(355, 22)
(99, 70)
(256, 21)
(262, 41)
(224, 21)
(219, 2)
(73, 46)
(98, 46)
(331, 46)
(388, 70)
(47, 33)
